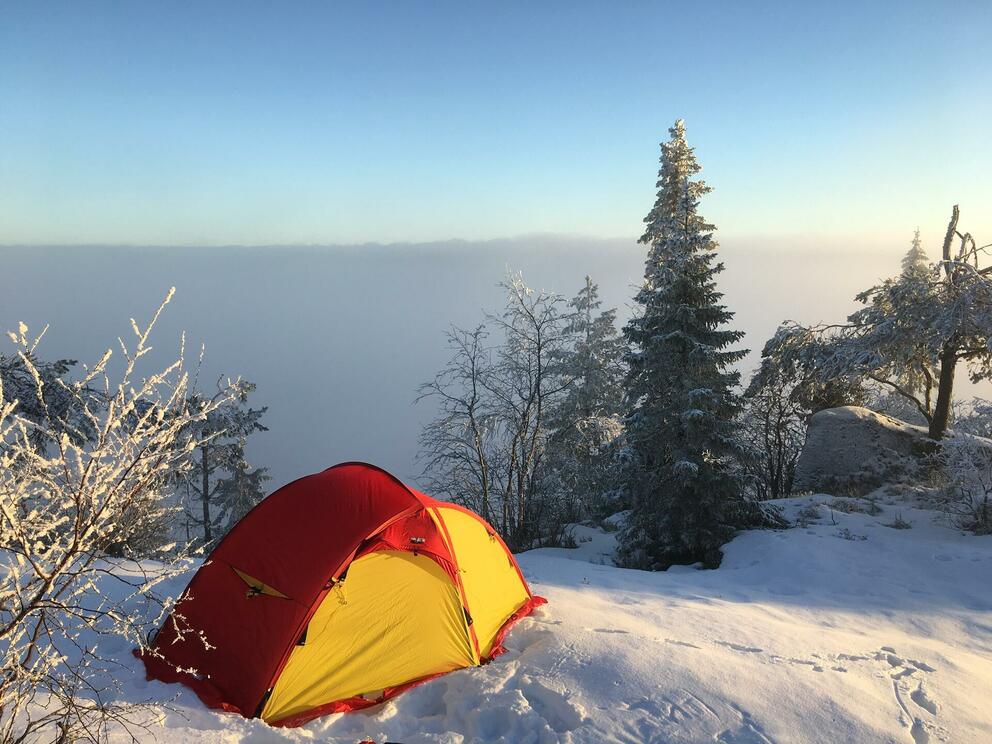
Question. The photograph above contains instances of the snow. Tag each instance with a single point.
(810, 634)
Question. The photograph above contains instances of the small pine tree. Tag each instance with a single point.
(220, 485)
(586, 423)
(685, 488)
(915, 263)
(595, 361)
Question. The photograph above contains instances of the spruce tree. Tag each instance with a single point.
(587, 421)
(220, 486)
(595, 360)
(681, 476)
(915, 263)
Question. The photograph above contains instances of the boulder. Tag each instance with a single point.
(852, 451)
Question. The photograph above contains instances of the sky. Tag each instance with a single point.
(270, 123)
(253, 155)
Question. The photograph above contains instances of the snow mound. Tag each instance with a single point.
(842, 630)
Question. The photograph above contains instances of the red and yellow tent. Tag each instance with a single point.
(338, 591)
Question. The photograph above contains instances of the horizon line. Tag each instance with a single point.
(564, 237)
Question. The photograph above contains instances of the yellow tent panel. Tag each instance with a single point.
(397, 617)
(492, 585)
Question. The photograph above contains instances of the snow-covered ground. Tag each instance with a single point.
(846, 630)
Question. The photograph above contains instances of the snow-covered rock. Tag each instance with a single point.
(852, 450)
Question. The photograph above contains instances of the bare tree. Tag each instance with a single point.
(64, 500)
(529, 382)
(485, 446)
(773, 428)
(456, 447)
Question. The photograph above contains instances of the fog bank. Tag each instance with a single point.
(337, 338)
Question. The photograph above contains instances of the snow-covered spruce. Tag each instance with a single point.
(578, 469)
(681, 474)
(220, 486)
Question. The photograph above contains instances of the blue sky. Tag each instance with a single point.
(260, 123)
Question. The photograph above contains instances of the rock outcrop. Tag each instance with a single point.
(852, 451)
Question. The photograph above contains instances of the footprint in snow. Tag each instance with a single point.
(920, 697)
(625, 599)
(919, 729)
(681, 715)
(560, 713)
(681, 643)
(740, 648)
(887, 654)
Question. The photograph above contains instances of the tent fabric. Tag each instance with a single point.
(336, 592)
(388, 594)
(489, 574)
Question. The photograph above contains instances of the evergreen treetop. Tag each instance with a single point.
(915, 262)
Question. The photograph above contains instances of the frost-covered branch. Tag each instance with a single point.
(78, 482)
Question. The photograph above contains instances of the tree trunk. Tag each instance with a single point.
(948, 355)
(945, 388)
(206, 492)
(952, 227)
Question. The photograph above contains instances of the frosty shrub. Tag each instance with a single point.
(809, 513)
(856, 506)
(967, 496)
(846, 534)
(899, 523)
(77, 481)
(974, 417)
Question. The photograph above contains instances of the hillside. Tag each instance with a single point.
(843, 630)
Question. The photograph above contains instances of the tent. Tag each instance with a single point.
(336, 592)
